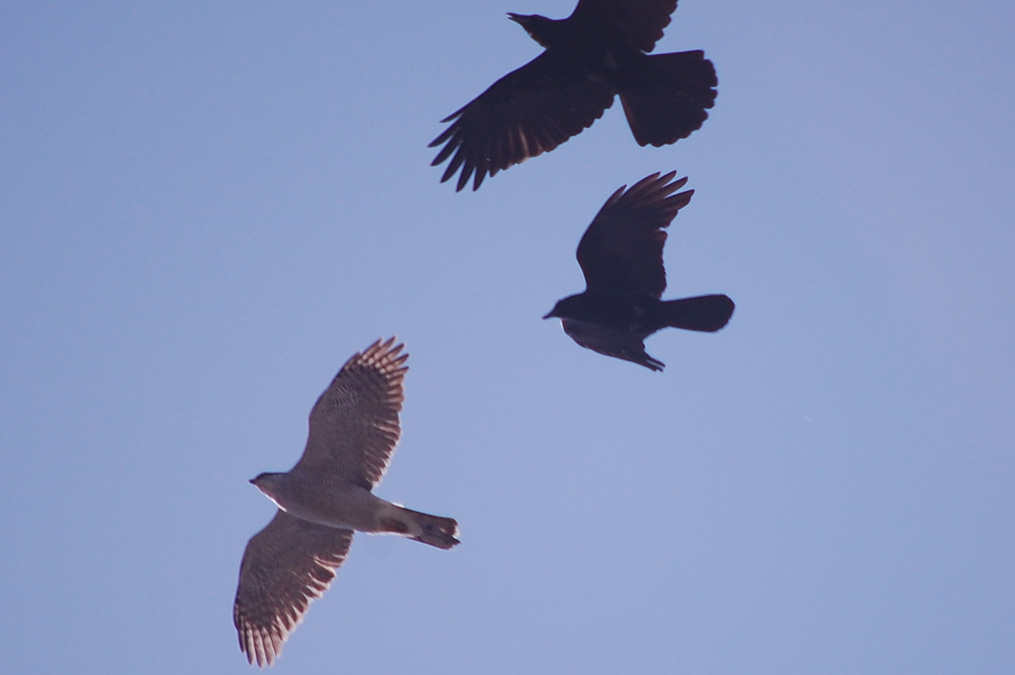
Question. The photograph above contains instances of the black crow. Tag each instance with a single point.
(596, 53)
(621, 255)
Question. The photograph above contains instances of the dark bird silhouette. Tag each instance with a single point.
(621, 255)
(598, 52)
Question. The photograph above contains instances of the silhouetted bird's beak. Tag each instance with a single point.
(522, 20)
(549, 315)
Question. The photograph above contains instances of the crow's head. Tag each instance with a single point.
(560, 310)
(538, 27)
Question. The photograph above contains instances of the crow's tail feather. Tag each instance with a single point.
(707, 313)
(666, 96)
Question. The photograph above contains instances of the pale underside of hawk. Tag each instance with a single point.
(354, 428)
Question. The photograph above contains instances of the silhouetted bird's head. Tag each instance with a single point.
(567, 308)
(539, 28)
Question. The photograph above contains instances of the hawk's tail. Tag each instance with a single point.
(434, 530)
(666, 96)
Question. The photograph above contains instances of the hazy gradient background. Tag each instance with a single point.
(207, 207)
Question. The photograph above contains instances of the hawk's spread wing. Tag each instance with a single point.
(354, 424)
(286, 566)
(636, 23)
(527, 112)
(622, 251)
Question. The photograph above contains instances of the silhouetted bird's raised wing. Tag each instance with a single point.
(637, 24)
(354, 425)
(286, 566)
(621, 253)
(527, 112)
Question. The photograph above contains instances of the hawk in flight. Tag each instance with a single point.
(592, 56)
(621, 255)
(353, 432)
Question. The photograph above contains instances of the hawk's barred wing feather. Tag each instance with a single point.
(286, 566)
(354, 425)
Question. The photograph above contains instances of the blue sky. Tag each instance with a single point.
(207, 207)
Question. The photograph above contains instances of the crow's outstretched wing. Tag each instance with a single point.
(527, 112)
(621, 253)
(637, 24)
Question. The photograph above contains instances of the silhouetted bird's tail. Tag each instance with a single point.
(666, 95)
(707, 313)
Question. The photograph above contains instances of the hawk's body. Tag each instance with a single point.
(354, 428)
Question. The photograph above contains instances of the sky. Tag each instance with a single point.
(207, 207)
